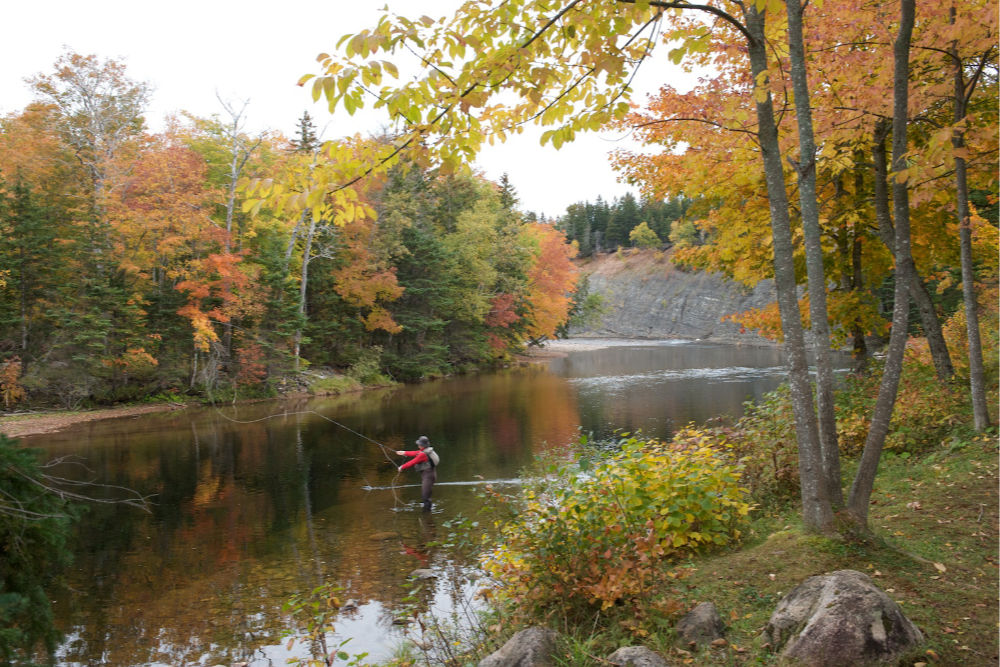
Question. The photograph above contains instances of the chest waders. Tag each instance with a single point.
(428, 475)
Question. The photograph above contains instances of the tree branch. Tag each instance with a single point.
(725, 16)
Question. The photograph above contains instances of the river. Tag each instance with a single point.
(251, 504)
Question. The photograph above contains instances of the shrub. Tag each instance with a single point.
(368, 368)
(764, 441)
(34, 525)
(600, 537)
(926, 409)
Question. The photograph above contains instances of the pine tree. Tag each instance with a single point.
(306, 141)
(508, 195)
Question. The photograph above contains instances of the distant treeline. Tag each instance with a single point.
(133, 265)
(601, 226)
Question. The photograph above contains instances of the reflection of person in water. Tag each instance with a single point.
(422, 548)
(425, 460)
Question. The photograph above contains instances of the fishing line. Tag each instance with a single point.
(381, 446)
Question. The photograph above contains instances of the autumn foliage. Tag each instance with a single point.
(207, 260)
(613, 533)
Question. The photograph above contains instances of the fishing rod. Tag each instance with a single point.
(385, 449)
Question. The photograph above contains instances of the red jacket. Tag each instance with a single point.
(418, 457)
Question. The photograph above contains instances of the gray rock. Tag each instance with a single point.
(647, 297)
(532, 647)
(423, 574)
(702, 625)
(840, 619)
(637, 656)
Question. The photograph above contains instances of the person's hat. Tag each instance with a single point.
(423, 441)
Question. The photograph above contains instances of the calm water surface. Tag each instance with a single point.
(255, 503)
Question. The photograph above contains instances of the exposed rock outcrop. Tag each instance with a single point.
(531, 647)
(646, 296)
(840, 619)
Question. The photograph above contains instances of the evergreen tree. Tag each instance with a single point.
(624, 218)
(34, 527)
(306, 140)
(600, 215)
(508, 195)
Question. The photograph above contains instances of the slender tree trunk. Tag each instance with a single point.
(860, 351)
(860, 346)
(290, 248)
(977, 375)
(812, 237)
(817, 513)
(864, 480)
(303, 287)
(194, 365)
(851, 276)
(929, 321)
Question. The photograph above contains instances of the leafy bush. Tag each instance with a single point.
(368, 367)
(34, 525)
(595, 538)
(926, 409)
(764, 442)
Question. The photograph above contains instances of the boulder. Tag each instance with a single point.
(840, 619)
(423, 573)
(702, 625)
(532, 647)
(384, 535)
(637, 656)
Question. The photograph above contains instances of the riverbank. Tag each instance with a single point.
(20, 424)
(933, 550)
(309, 384)
(934, 521)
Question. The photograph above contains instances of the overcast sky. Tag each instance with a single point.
(190, 49)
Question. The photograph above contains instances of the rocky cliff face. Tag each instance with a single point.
(646, 296)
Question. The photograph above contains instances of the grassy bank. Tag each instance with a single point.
(934, 519)
(934, 550)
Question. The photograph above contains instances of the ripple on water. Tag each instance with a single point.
(728, 374)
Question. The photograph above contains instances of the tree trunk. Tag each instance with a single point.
(864, 479)
(290, 248)
(817, 513)
(303, 286)
(860, 347)
(977, 376)
(929, 321)
(812, 237)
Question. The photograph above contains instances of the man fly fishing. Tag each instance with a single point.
(425, 460)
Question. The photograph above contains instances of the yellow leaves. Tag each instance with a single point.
(604, 537)
(761, 89)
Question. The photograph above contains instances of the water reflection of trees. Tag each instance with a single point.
(246, 515)
(242, 522)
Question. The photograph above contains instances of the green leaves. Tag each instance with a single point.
(647, 503)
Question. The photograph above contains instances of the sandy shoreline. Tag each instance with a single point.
(37, 423)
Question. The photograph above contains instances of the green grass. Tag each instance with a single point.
(934, 551)
(338, 384)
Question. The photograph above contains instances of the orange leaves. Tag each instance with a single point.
(551, 280)
(502, 312)
(161, 211)
(220, 289)
(364, 281)
(10, 386)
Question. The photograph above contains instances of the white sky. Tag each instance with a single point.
(250, 49)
